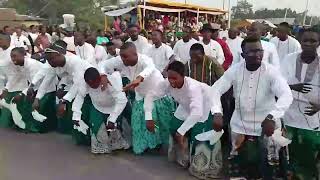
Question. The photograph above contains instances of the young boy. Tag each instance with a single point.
(301, 70)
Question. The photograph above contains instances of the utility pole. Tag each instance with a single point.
(229, 15)
(305, 13)
(285, 15)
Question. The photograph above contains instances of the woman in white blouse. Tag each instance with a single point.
(192, 117)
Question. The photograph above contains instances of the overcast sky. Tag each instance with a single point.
(298, 5)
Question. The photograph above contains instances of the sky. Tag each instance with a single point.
(298, 5)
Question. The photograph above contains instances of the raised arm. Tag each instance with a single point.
(220, 87)
(158, 92)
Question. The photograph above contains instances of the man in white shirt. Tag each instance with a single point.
(160, 53)
(105, 111)
(30, 68)
(301, 70)
(211, 47)
(270, 54)
(15, 82)
(64, 65)
(234, 42)
(20, 40)
(5, 50)
(192, 117)
(257, 113)
(100, 51)
(139, 41)
(12, 81)
(144, 77)
(182, 47)
(284, 43)
(83, 49)
(69, 39)
(33, 33)
(223, 34)
(112, 50)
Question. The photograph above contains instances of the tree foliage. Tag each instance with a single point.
(88, 12)
(243, 10)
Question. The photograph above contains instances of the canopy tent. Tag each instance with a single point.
(248, 22)
(177, 5)
(161, 6)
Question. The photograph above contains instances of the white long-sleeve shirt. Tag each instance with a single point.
(213, 49)
(144, 68)
(12, 77)
(87, 52)
(141, 44)
(70, 43)
(112, 101)
(291, 45)
(100, 53)
(48, 74)
(182, 50)
(109, 56)
(235, 47)
(21, 41)
(193, 98)
(74, 68)
(160, 56)
(4, 63)
(31, 69)
(270, 55)
(254, 93)
(294, 71)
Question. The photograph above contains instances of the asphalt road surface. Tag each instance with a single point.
(53, 157)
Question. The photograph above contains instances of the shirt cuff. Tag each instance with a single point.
(182, 131)
(39, 95)
(25, 92)
(215, 110)
(148, 116)
(112, 119)
(68, 97)
(76, 116)
(276, 114)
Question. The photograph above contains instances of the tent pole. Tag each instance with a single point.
(229, 14)
(106, 23)
(144, 13)
(179, 20)
(140, 17)
(198, 17)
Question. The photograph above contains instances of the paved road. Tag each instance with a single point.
(54, 157)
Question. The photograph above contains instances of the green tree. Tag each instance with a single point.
(243, 10)
(87, 12)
